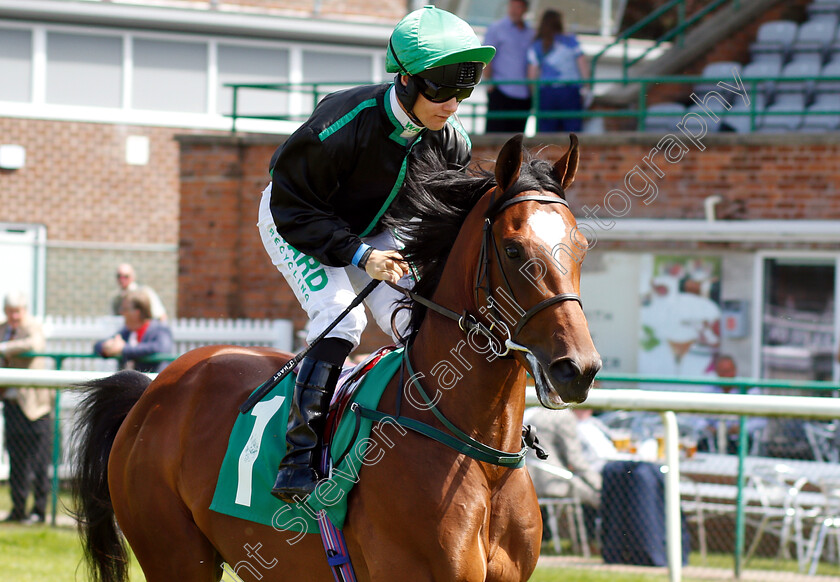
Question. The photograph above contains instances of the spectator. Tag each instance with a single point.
(140, 337)
(511, 36)
(127, 280)
(557, 431)
(27, 414)
(557, 56)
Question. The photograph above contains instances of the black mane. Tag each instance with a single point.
(433, 205)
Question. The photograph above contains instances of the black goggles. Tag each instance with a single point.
(441, 93)
(440, 84)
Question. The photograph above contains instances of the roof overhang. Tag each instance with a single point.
(721, 231)
(208, 21)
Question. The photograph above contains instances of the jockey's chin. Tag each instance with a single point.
(434, 115)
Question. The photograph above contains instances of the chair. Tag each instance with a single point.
(828, 519)
(759, 70)
(718, 70)
(822, 436)
(693, 508)
(664, 117)
(777, 488)
(738, 118)
(814, 38)
(785, 114)
(825, 118)
(822, 7)
(774, 39)
(556, 506)
(831, 69)
(808, 71)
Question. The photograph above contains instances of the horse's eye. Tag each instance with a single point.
(512, 252)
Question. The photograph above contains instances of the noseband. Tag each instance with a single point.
(466, 321)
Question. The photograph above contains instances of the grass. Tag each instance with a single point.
(53, 554)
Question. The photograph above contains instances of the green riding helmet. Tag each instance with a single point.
(439, 48)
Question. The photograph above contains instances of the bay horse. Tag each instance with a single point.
(150, 454)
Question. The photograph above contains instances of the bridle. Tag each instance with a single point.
(456, 438)
(468, 322)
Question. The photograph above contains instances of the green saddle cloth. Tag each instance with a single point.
(258, 442)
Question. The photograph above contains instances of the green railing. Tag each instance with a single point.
(475, 111)
(677, 32)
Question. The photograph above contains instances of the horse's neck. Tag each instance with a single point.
(483, 398)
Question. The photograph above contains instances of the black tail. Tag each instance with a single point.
(104, 407)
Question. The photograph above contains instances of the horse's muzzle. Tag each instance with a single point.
(572, 378)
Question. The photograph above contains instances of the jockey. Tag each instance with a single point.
(333, 180)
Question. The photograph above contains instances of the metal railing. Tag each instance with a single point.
(664, 402)
(475, 111)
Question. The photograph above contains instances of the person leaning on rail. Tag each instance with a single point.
(27, 413)
(334, 179)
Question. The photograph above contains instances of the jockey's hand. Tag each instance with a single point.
(386, 266)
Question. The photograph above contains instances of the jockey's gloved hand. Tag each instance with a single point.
(386, 266)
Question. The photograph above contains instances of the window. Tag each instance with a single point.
(84, 70)
(170, 76)
(16, 65)
(798, 319)
(239, 64)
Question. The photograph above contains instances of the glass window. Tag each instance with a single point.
(15, 65)
(170, 76)
(334, 67)
(798, 319)
(84, 70)
(252, 65)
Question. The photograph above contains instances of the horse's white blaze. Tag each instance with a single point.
(549, 227)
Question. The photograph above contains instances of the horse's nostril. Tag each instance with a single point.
(564, 370)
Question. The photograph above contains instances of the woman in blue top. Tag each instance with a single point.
(553, 56)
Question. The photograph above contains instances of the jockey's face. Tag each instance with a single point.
(432, 115)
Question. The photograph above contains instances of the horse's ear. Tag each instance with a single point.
(567, 166)
(508, 163)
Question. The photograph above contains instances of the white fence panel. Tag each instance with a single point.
(79, 334)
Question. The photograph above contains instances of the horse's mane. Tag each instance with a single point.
(433, 205)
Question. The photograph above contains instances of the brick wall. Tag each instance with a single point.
(224, 271)
(98, 210)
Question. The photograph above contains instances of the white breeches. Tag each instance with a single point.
(324, 292)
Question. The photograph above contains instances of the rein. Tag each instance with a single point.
(458, 439)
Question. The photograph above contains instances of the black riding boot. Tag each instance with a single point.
(299, 474)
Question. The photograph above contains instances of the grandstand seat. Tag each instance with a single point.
(817, 7)
(826, 110)
(721, 70)
(738, 118)
(785, 114)
(832, 69)
(814, 38)
(713, 105)
(774, 40)
(759, 70)
(807, 71)
(664, 117)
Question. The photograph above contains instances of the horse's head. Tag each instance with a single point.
(529, 280)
